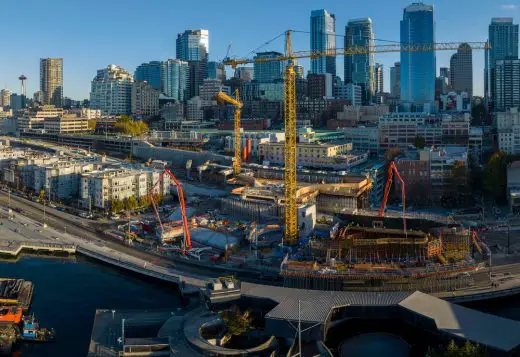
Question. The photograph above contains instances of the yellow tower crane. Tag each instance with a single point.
(222, 97)
(291, 209)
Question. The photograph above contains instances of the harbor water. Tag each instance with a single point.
(68, 291)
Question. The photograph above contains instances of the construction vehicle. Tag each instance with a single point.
(290, 57)
(224, 98)
(186, 243)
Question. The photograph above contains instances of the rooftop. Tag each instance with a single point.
(453, 320)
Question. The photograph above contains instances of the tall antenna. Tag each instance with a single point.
(22, 79)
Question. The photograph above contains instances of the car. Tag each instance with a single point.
(61, 209)
(115, 217)
(52, 205)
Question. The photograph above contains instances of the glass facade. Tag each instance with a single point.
(506, 84)
(359, 69)
(418, 69)
(174, 79)
(149, 72)
(193, 47)
(503, 38)
(268, 72)
(216, 70)
(323, 37)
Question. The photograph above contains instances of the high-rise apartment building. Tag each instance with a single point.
(503, 39)
(175, 79)
(395, 80)
(506, 84)
(51, 80)
(5, 98)
(111, 91)
(319, 86)
(461, 70)
(359, 69)
(323, 38)
(380, 84)
(149, 72)
(418, 69)
(269, 71)
(193, 47)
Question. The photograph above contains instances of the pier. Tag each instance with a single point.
(13, 248)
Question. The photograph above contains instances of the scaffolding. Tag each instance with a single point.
(456, 244)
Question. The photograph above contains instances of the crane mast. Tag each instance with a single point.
(291, 210)
(290, 214)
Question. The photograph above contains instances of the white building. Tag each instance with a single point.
(100, 188)
(5, 98)
(508, 127)
(314, 155)
(65, 124)
(59, 179)
(111, 91)
(513, 186)
(86, 113)
(209, 89)
(256, 138)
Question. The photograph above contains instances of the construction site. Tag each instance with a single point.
(310, 244)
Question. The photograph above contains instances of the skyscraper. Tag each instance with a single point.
(174, 79)
(395, 80)
(323, 38)
(216, 70)
(359, 69)
(193, 47)
(111, 91)
(461, 70)
(269, 71)
(149, 72)
(445, 72)
(503, 38)
(379, 78)
(506, 84)
(418, 69)
(51, 80)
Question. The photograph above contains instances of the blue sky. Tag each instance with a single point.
(92, 34)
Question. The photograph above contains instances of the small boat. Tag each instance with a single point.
(32, 332)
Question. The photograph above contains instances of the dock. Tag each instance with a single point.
(16, 292)
(14, 248)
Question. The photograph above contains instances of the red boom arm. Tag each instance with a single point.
(392, 169)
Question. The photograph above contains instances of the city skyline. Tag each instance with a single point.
(88, 46)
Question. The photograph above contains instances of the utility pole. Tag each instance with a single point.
(299, 328)
(508, 235)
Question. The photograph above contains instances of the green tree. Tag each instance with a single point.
(495, 176)
(236, 322)
(452, 350)
(144, 201)
(128, 126)
(419, 142)
(116, 206)
(131, 203)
